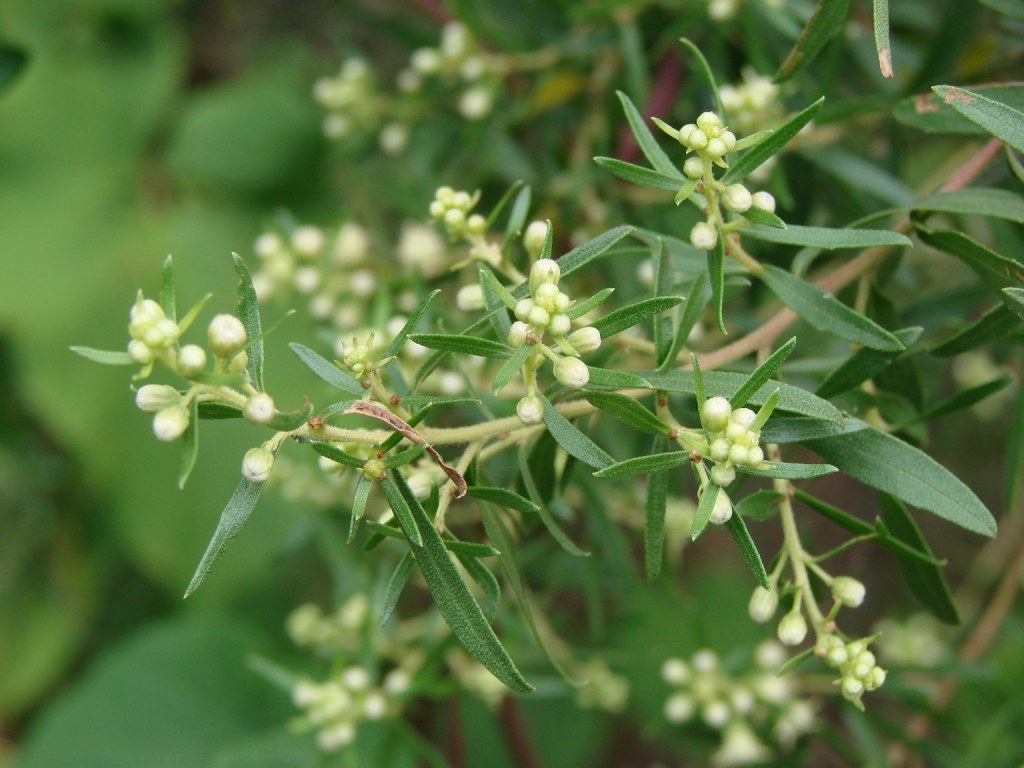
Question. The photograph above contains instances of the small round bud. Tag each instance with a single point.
(720, 449)
(696, 140)
(714, 414)
(763, 604)
(517, 333)
(562, 302)
(226, 335)
(544, 271)
(837, 656)
(470, 298)
(476, 224)
(755, 456)
(308, 241)
(709, 123)
(539, 317)
(476, 102)
(426, 61)
(140, 353)
(355, 678)
(694, 167)
(876, 679)
(437, 209)
(144, 315)
(337, 736)
(703, 236)
(585, 340)
(848, 591)
(852, 688)
(737, 198)
(545, 295)
(170, 422)
(530, 410)
(559, 325)
(155, 397)
(743, 416)
(792, 629)
(723, 475)
(716, 714)
(533, 238)
(523, 309)
(454, 219)
(722, 511)
(763, 200)
(463, 200)
(375, 706)
(572, 372)
(705, 660)
(191, 360)
(735, 432)
(675, 671)
(374, 469)
(259, 408)
(256, 465)
(739, 454)
(715, 149)
(729, 139)
(679, 707)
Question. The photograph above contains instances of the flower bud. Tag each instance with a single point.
(572, 372)
(308, 241)
(522, 309)
(729, 139)
(679, 707)
(675, 671)
(374, 469)
(476, 224)
(693, 167)
(876, 679)
(763, 603)
(144, 315)
(544, 271)
(226, 335)
(755, 456)
(517, 334)
(848, 591)
(585, 340)
(470, 298)
(170, 422)
(259, 408)
(454, 219)
(709, 123)
(155, 397)
(191, 360)
(739, 454)
(715, 149)
(722, 511)
(257, 464)
(714, 414)
(530, 410)
(140, 352)
(720, 449)
(852, 688)
(793, 628)
(696, 140)
(539, 317)
(763, 200)
(703, 236)
(534, 237)
(737, 198)
(723, 474)
(743, 416)
(560, 325)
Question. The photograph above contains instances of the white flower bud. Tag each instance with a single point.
(693, 167)
(454, 219)
(463, 200)
(170, 422)
(226, 335)
(716, 714)
(585, 340)
(572, 372)
(763, 604)
(534, 237)
(355, 678)
(144, 315)
(559, 325)
(729, 139)
(375, 706)
(722, 511)
(426, 61)
(743, 416)
(739, 454)
(517, 334)
(876, 679)
(723, 475)
(437, 209)
(679, 707)
(763, 200)
(852, 688)
(848, 591)
(523, 309)
(755, 456)
(737, 198)
(696, 140)
(703, 236)
(336, 737)
(267, 245)
(675, 671)
(308, 241)
(705, 660)
(191, 360)
(544, 271)
(393, 139)
(720, 449)
(476, 224)
(140, 352)
(545, 295)
(715, 149)
(792, 629)
(470, 298)
(530, 410)
(256, 465)
(476, 102)
(259, 408)
(539, 317)
(714, 414)
(155, 397)
(709, 123)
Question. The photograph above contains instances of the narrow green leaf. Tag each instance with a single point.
(334, 453)
(964, 399)
(543, 511)
(219, 411)
(716, 278)
(994, 269)
(104, 357)
(645, 140)
(788, 471)
(482, 575)
(421, 401)
(403, 512)
(249, 313)
(829, 17)
(826, 313)
(760, 505)
(740, 534)
(503, 497)
(286, 421)
(655, 503)
(489, 281)
(470, 549)
(549, 241)
(466, 345)
(359, 498)
(761, 375)
(572, 440)
(234, 516)
(189, 444)
(863, 364)
(612, 379)
(583, 254)
(628, 316)
(641, 465)
(797, 429)
(636, 174)
(517, 216)
(452, 596)
(497, 209)
(994, 324)
(328, 371)
(825, 237)
(1001, 120)
(410, 325)
(764, 218)
(925, 581)
(167, 303)
(795, 661)
(770, 146)
(1014, 299)
(696, 299)
(395, 586)
(186, 322)
(726, 384)
(407, 456)
(1000, 203)
(686, 189)
(510, 368)
(628, 411)
(698, 382)
(881, 25)
(705, 506)
(662, 287)
(578, 310)
(705, 69)
(887, 463)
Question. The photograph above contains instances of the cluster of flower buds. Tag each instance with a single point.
(457, 61)
(289, 262)
(734, 704)
(451, 208)
(855, 663)
(360, 354)
(152, 332)
(731, 439)
(604, 689)
(752, 104)
(349, 99)
(309, 627)
(336, 706)
(169, 409)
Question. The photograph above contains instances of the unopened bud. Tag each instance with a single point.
(560, 325)
(226, 335)
(763, 603)
(530, 410)
(259, 408)
(191, 360)
(155, 397)
(693, 167)
(722, 511)
(140, 352)
(170, 422)
(848, 591)
(544, 271)
(534, 237)
(714, 414)
(517, 334)
(709, 123)
(470, 298)
(703, 236)
(257, 464)
(793, 628)
(763, 200)
(572, 372)
(585, 340)
(737, 198)
(723, 474)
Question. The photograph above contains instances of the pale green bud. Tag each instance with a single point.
(876, 679)
(722, 511)
(720, 449)
(848, 591)
(763, 200)
(539, 317)
(259, 408)
(723, 475)
(743, 416)
(517, 333)
(470, 298)
(852, 688)
(585, 340)
(572, 372)
(534, 237)
(544, 271)
(140, 353)
(739, 454)
(714, 414)
(256, 465)
(374, 469)
(523, 309)
(476, 224)
(696, 140)
(675, 672)
(709, 123)
(530, 410)
(703, 236)
(792, 629)
(763, 604)
(454, 219)
(155, 397)
(737, 198)
(715, 149)
(694, 167)
(729, 139)
(191, 360)
(679, 707)
(226, 335)
(170, 422)
(755, 456)
(559, 325)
